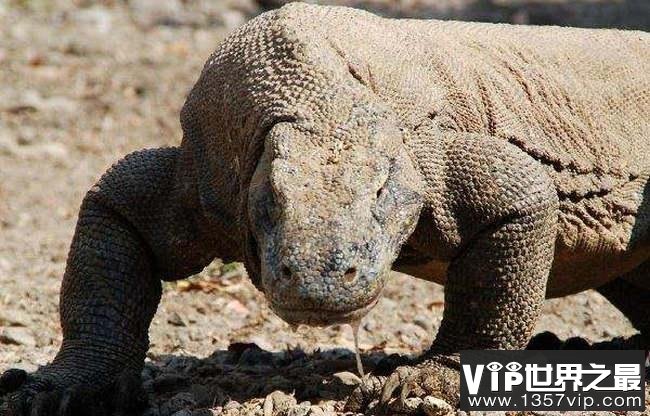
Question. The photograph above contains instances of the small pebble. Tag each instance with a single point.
(278, 402)
(17, 336)
(299, 410)
(347, 378)
(176, 320)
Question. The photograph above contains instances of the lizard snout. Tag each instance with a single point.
(324, 288)
(349, 277)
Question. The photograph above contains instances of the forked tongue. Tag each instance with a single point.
(355, 332)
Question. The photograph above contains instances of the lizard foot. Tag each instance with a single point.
(23, 394)
(430, 387)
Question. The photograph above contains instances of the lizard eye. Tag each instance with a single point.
(382, 203)
(266, 210)
(271, 207)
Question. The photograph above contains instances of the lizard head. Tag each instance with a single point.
(328, 213)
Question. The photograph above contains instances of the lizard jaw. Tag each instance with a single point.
(319, 317)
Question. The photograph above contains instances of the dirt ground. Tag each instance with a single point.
(84, 83)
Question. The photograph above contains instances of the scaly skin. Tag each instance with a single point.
(325, 146)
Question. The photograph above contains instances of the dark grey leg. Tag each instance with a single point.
(504, 208)
(132, 231)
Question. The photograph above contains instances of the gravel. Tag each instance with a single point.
(87, 82)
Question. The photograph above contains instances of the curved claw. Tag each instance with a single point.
(365, 393)
(15, 404)
(399, 376)
(37, 396)
(391, 385)
(404, 394)
(436, 379)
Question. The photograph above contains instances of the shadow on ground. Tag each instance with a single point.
(246, 374)
(245, 378)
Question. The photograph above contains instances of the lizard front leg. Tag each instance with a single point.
(132, 231)
(499, 208)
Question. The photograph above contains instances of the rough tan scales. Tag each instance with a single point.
(324, 146)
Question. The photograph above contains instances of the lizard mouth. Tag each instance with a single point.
(323, 317)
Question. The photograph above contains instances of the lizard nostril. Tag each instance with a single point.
(350, 275)
(286, 272)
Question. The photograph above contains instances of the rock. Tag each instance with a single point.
(347, 378)
(328, 406)
(410, 406)
(232, 404)
(175, 319)
(433, 406)
(56, 104)
(412, 403)
(300, 410)
(17, 336)
(12, 317)
(373, 406)
(340, 385)
(278, 403)
(184, 412)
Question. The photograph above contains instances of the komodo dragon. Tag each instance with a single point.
(324, 146)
